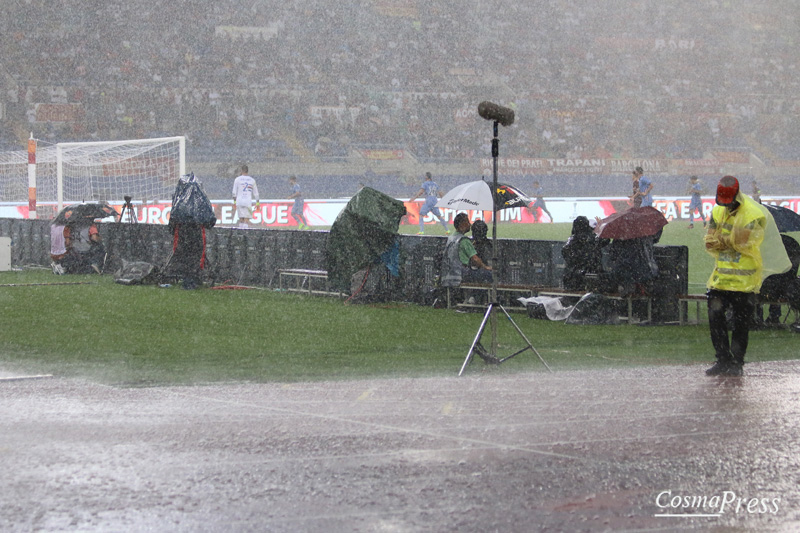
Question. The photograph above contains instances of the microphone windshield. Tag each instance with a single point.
(490, 111)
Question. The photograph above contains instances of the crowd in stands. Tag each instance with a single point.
(262, 79)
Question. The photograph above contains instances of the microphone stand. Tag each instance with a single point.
(491, 311)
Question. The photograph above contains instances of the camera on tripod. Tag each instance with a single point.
(128, 206)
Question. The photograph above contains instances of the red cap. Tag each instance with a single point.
(727, 190)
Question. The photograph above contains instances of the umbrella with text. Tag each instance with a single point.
(477, 196)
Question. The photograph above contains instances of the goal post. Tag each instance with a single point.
(74, 172)
(144, 169)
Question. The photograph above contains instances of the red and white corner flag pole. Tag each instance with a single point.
(31, 177)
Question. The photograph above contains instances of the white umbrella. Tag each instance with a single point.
(475, 195)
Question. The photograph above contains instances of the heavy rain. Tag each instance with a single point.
(342, 112)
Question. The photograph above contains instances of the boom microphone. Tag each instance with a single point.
(490, 111)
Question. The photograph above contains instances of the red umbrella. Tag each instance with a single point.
(631, 224)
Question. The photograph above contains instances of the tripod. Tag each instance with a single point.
(137, 247)
(491, 311)
(128, 206)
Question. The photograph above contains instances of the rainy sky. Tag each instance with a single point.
(638, 79)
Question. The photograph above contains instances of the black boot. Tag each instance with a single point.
(735, 368)
(720, 368)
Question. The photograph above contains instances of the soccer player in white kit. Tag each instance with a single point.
(245, 195)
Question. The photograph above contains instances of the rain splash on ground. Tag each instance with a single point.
(663, 448)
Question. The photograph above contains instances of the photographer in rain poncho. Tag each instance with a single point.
(190, 217)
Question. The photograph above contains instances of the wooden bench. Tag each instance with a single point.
(521, 290)
(305, 281)
(683, 302)
(685, 299)
(528, 291)
(781, 302)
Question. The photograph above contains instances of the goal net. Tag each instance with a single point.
(14, 176)
(144, 169)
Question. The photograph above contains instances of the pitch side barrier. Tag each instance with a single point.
(276, 214)
(251, 257)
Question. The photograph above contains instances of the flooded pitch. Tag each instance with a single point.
(649, 448)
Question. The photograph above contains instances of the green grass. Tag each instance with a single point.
(147, 335)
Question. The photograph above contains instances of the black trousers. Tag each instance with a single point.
(730, 312)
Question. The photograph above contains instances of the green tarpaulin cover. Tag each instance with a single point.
(364, 230)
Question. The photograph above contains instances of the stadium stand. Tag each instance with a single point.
(269, 80)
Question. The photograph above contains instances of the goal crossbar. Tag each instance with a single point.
(147, 169)
(70, 172)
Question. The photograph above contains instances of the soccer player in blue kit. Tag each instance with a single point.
(299, 203)
(429, 189)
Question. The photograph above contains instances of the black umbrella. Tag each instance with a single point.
(506, 196)
(84, 214)
(785, 219)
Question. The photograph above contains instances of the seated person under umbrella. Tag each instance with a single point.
(582, 255)
(460, 256)
(629, 264)
(784, 286)
(481, 242)
(77, 249)
(58, 248)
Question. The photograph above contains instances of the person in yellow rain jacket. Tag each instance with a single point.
(741, 236)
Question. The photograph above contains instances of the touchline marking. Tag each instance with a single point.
(21, 378)
(417, 431)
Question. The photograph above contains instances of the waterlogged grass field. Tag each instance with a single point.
(91, 327)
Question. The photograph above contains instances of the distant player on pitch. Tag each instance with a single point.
(245, 196)
(430, 190)
(299, 203)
